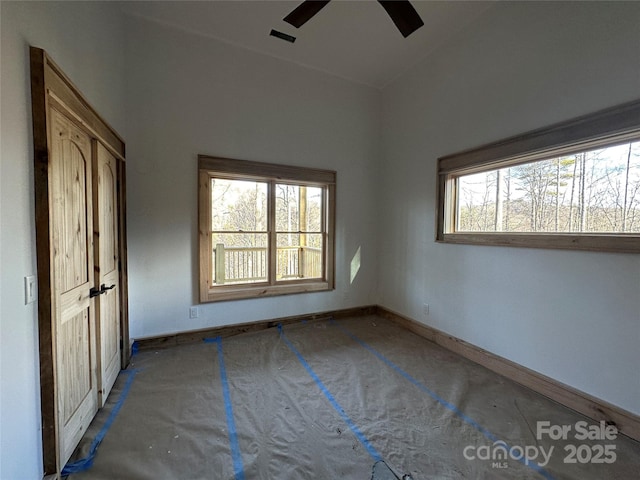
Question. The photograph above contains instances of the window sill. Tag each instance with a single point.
(239, 292)
(620, 243)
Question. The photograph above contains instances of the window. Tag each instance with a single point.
(265, 229)
(574, 185)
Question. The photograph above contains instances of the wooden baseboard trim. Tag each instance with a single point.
(594, 408)
(588, 405)
(194, 336)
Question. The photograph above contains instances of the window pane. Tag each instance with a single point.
(299, 256)
(596, 191)
(298, 208)
(239, 258)
(238, 205)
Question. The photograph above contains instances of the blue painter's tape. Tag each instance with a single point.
(438, 399)
(86, 463)
(135, 346)
(334, 403)
(238, 468)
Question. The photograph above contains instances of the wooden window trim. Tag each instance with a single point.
(605, 126)
(269, 172)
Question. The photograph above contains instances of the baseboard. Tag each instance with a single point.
(194, 336)
(592, 407)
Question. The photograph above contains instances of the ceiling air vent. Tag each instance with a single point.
(282, 36)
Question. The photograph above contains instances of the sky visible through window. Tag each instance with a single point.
(596, 191)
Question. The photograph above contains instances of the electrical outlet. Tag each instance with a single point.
(29, 289)
(425, 309)
(194, 312)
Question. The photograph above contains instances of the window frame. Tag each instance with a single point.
(565, 138)
(216, 167)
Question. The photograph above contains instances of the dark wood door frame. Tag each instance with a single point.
(50, 84)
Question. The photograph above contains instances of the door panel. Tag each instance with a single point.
(75, 378)
(107, 272)
(74, 316)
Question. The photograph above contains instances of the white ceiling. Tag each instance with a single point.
(355, 39)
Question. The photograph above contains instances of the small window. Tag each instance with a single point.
(265, 229)
(574, 185)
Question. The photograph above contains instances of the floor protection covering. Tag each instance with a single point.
(358, 398)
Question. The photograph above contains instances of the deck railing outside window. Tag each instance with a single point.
(249, 264)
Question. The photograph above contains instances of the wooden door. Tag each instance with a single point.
(71, 217)
(79, 177)
(107, 273)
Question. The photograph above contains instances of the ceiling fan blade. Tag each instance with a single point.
(403, 15)
(303, 12)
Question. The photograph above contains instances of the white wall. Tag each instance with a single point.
(574, 316)
(86, 40)
(571, 315)
(189, 94)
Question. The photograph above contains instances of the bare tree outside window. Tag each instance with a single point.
(596, 191)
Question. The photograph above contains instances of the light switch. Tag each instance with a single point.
(29, 289)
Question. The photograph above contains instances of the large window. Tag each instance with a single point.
(265, 229)
(572, 185)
